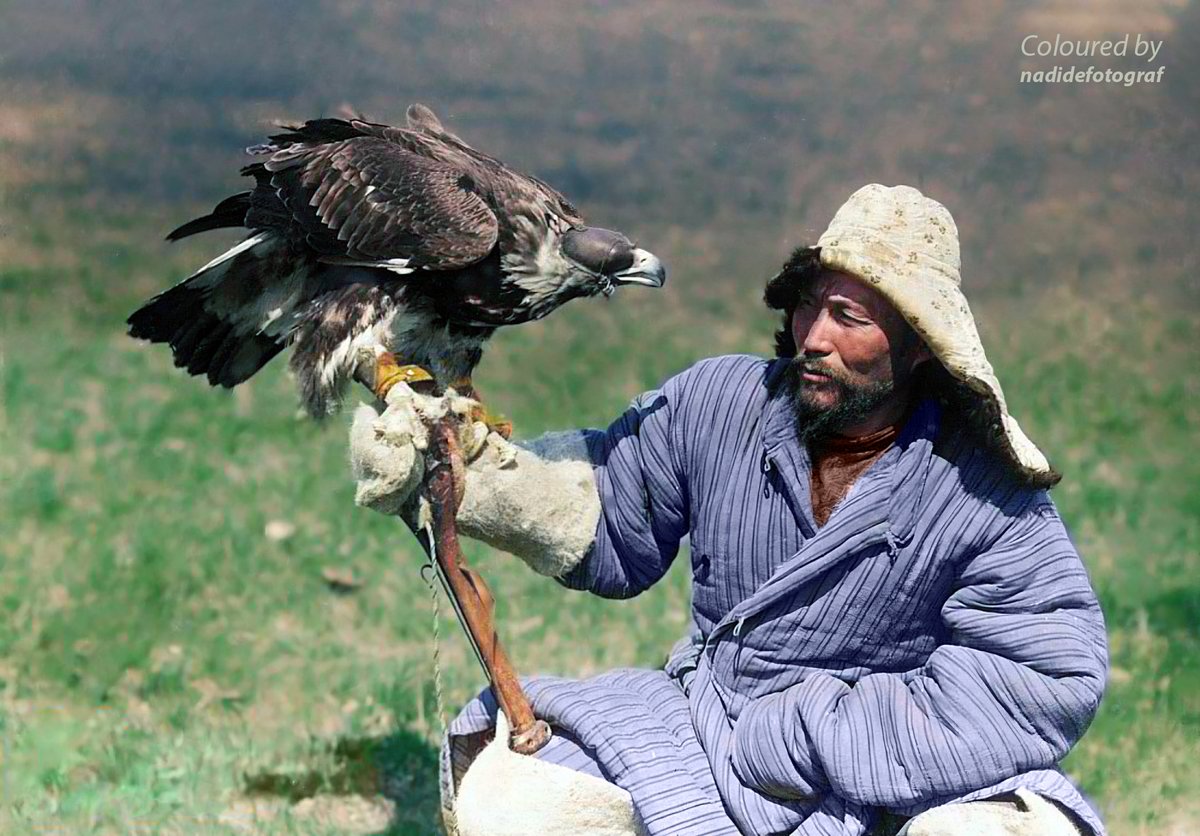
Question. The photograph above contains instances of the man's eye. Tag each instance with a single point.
(849, 317)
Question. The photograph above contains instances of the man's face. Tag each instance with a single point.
(854, 356)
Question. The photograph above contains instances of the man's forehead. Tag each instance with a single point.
(836, 283)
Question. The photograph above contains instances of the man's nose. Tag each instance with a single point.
(817, 340)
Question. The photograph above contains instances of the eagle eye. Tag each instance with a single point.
(599, 250)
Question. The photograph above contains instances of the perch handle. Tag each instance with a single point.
(473, 600)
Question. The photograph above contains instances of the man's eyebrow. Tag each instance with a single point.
(846, 300)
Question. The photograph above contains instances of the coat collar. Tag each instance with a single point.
(865, 517)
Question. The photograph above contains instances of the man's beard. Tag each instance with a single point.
(855, 402)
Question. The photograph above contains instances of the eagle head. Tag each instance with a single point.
(576, 262)
(601, 260)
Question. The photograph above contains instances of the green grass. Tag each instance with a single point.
(165, 666)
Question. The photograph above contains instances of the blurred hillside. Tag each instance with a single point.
(731, 130)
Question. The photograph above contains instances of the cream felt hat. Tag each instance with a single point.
(905, 245)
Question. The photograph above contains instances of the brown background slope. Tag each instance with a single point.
(739, 125)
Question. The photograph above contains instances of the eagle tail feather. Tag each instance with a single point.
(317, 131)
(188, 338)
(239, 357)
(229, 349)
(230, 212)
(206, 347)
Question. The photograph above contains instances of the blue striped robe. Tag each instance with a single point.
(936, 640)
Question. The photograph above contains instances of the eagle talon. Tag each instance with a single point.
(498, 424)
(388, 373)
(495, 423)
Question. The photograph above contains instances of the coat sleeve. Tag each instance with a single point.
(643, 497)
(1015, 686)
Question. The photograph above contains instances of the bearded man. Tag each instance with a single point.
(893, 631)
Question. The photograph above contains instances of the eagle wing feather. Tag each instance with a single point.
(369, 201)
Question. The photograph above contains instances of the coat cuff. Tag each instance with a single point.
(771, 751)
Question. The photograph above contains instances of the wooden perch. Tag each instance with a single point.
(472, 600)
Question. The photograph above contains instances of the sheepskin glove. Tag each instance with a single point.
(537, 500)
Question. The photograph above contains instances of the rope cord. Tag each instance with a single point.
(439, 693)
(430, 574)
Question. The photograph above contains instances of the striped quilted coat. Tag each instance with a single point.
(936, 640)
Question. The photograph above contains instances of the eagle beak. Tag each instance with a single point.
(646, 269)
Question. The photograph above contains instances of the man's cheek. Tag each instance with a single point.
(801, 324)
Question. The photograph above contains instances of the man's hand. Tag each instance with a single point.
(771, 754)
(388, 451)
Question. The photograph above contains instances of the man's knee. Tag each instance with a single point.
(1022, 813)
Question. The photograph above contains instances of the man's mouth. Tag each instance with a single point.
(814, 374)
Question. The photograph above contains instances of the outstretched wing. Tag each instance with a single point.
(369, 201)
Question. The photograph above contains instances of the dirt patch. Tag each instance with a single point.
(348, 813)
(345, 813)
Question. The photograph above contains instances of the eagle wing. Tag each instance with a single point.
(366, 200)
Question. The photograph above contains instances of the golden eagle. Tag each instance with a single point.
(369, 241)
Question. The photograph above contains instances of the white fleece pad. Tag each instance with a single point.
(506, 794)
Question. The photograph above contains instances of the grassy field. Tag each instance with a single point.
(173, 661)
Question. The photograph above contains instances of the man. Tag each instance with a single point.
(892, 627)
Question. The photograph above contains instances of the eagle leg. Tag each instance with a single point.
(389, 372)
(495, 423)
